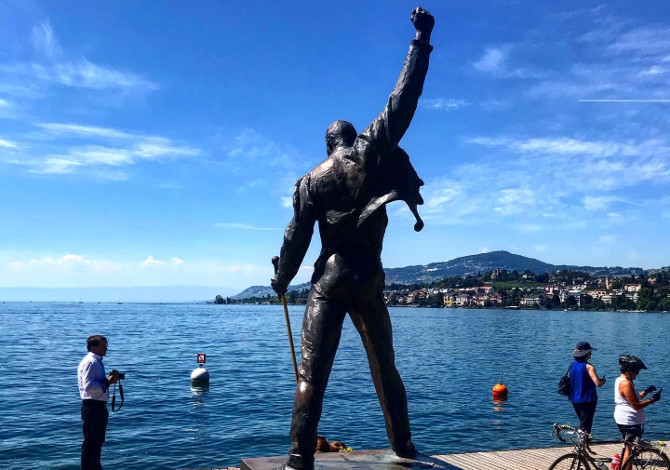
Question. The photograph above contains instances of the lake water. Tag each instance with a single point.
(449, 361)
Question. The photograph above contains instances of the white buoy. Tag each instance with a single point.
(200, 375)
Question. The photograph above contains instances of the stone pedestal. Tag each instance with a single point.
(360, 460)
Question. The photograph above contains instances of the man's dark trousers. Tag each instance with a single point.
(94, 414)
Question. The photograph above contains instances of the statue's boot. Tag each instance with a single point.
(298, 462)
(405, 450)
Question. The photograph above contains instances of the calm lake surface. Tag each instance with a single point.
(449, 361)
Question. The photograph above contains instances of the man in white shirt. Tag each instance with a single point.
(94, 391)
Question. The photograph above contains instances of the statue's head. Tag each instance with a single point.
(340, 134)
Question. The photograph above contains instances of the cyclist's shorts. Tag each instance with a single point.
(631, 431)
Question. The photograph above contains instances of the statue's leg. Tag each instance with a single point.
(371, 318)
(321, 330)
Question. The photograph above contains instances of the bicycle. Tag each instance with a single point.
(643, 455)
(581, 457)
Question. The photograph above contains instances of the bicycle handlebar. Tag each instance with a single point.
(560, 427)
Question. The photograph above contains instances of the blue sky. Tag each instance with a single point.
(157, 143)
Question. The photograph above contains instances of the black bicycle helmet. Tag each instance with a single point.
(630, 363)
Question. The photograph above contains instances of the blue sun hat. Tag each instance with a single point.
(582, 349)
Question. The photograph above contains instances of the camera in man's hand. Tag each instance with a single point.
(120, 375)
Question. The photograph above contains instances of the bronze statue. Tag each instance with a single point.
(346, 194)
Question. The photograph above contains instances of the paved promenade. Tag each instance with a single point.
(517, 459)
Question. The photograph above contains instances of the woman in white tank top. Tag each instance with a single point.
(629, 410)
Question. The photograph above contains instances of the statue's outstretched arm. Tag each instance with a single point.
(390, 126)
(296, 238)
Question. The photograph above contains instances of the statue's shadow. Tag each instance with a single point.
(359, 460)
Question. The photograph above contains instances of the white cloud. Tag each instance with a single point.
(107, 147)
(98, 155)
(612, 64)
(561, 177)
(597, 203)
(45, 42)
(647, 41)
(442, 196)
(608, 239)
(493, 60)
(515, 201)
(623, 101)
(70, 129)
(496, 61)
(51, 66)
(82, 73)
(444, 104)
(74, 270)
(110, 175)
(8, 144)
(162, 147)
(59, 166)
(239, 226)
(244, 152)
(286, 201)
(602, 165)
(530, 228)
(151, 262)
(564, 145)
(66, 262)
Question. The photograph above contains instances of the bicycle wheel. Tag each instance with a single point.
(570, 462)
(647, 459)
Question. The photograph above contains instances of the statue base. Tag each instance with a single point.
(384, 459)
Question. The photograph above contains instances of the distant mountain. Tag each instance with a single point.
(464, 266)
(474, 264)
(263, 291)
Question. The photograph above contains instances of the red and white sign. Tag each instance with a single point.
(201, 358)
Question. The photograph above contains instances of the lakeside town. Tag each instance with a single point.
(566, 290)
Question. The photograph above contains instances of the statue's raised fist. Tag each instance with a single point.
(423, 21)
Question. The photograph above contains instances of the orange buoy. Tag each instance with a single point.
(499, 391)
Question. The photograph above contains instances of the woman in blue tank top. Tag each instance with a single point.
(583, 381)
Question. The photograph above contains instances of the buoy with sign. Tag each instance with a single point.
(200, 375)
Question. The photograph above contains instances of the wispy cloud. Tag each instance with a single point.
(50, 66)
(79, 130)
(616, 62)
(77, 270)
(515, 201)
(623, 101)
(150, 262)
(444, 104)
(8, 144)
(598, 203)
(247, 151)
(497, 62)
(57, 166)
(66, 148)
(646, 41)
(493, 61)
(45, 42)
(239, 226)
(533, 184)
(66, 262)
